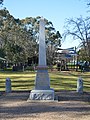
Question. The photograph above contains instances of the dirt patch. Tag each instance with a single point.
(71, 106)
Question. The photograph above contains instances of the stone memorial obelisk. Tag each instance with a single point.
(42, 90)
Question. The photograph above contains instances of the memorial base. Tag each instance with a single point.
(42, 95)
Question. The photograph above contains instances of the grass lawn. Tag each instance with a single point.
(58, 80)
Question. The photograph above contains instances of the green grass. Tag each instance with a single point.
(58, 80)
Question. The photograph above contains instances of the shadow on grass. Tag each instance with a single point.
(18, 77)
(83, 75)
(22, 85)
(59, 80)
(17, 72)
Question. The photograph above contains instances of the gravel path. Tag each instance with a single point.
(14, 106)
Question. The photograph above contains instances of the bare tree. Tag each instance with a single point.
(79, 29)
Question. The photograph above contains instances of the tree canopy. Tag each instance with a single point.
(19, 38)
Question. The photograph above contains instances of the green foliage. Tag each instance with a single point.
(82, 55)
(2, 53)
(20, 37)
